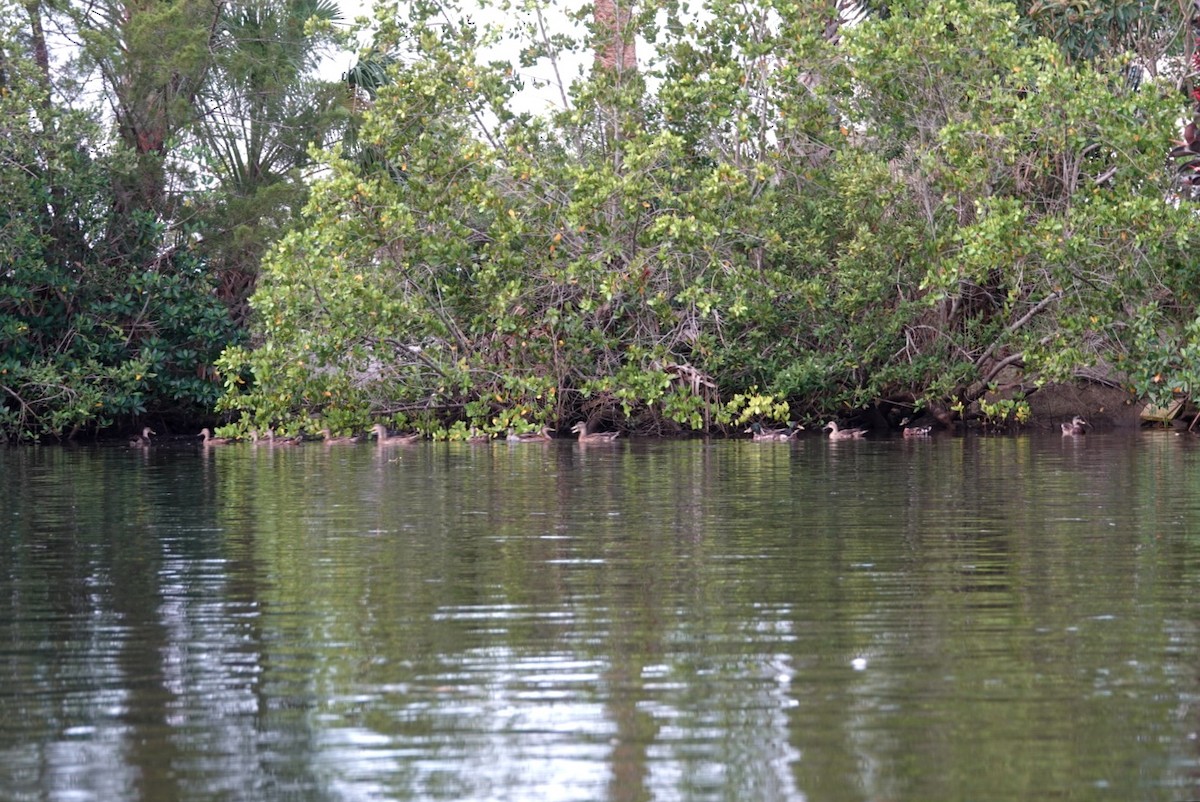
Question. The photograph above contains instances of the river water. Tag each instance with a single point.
(975, 618)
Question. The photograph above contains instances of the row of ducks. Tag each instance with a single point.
(761, 435)
(385, 438)
(1075, 427)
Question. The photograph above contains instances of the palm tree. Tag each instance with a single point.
(261, 108)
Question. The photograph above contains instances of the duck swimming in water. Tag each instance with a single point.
(384, 439)
(760, 435)
(272, 440)
(543, 435)
(330, 440)
(141, 440)
(586, 436)
(1077, 425)
(207, 439)
(838, 433)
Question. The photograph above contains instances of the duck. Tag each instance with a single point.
(1077, 425)
(287, 441)
(585, 436)
(543, 435)
(330, 440)
(207, 439)
(837, 433)
(918, 431)
(141, 440)
(760, 435)
(384, 439)
(477, 436)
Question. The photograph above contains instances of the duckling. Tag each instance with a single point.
(543, 435)
(384, 439)
(207, 439)
(585, 436)
(836, 433)
(760, 435)
(142, 440)
(330, 440)
(1077, 425)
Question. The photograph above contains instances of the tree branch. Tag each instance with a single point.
(1015, 325)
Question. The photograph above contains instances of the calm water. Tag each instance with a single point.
(960, 619)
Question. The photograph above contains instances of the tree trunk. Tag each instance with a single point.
(615, 48)
(163, 52)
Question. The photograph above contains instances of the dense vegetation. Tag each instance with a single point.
(777, 214)
(151, 153)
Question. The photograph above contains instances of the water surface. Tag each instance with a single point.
(958, 619)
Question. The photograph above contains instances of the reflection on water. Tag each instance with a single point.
(1010, 618)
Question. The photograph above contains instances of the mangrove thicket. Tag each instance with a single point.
(777, 209)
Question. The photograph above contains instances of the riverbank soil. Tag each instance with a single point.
(1103, 405)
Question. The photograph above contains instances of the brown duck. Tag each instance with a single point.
(586, 436)
(1077, 425)
(838, 433)
(330, 440)
(207, 439)
(143, 439)
(542, 435)
(272, 440)
(384, 439)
